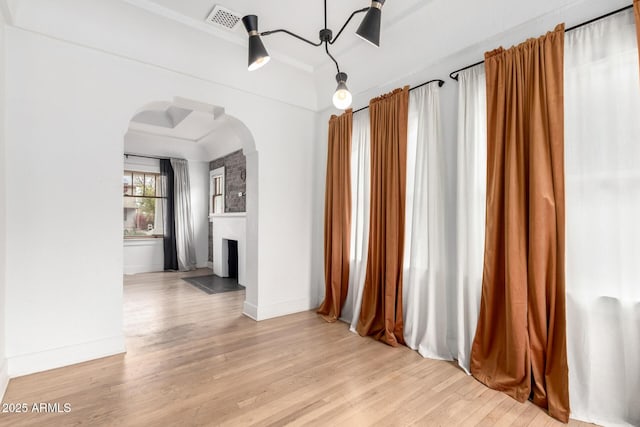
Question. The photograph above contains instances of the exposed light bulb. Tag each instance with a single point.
(342, 97)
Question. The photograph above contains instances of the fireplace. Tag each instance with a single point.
(229, 245)
(232, 258)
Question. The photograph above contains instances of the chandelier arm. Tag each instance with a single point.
(268, 33)
(326, 48)
(347, 23)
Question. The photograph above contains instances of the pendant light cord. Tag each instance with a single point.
(325, 14)
(326, 48)
(326, 42)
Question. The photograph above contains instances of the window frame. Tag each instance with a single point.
(218, 173)
(157, 176)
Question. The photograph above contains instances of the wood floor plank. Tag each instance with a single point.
(194, 360)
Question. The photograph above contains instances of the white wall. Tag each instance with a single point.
(64, 263)
(143, 256)
(3, 218)
(68, 103)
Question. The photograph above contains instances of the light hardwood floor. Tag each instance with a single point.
(193, 359)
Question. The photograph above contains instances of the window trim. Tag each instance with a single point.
(157, 176)
(215, 173)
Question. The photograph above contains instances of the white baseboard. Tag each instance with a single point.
(210, 265)
(263, 312)
(56, 358)
(4, 378)
(137, 269)
(250, 310)
(284, 308)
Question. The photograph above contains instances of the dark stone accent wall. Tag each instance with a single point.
(235, 166)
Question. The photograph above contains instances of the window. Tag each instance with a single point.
(216, 191)
(217, 194)
(142, 205)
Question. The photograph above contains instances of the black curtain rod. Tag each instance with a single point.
(440, 84)
(454, 74)
(127, 155)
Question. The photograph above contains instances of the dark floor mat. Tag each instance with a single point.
(213, 284)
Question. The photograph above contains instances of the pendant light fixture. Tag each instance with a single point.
(368, 30)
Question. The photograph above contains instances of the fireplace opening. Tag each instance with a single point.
(232, 258)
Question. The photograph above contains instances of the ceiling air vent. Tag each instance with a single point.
(223, 17)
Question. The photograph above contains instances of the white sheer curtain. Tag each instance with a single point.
(602, 161)
(185, 245)
(471, 206)
(425, 272)
(360, 183)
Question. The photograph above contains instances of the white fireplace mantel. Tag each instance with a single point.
(227, 215)
(229, 226)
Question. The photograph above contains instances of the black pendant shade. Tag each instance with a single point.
(258, 55)
(369, 28)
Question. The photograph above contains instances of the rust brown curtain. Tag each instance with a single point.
(381, 312)
(520, 342)
(337, 216)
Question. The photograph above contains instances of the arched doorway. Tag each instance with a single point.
(202, 134)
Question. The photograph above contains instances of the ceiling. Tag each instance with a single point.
(304, 18)
(182, 119)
